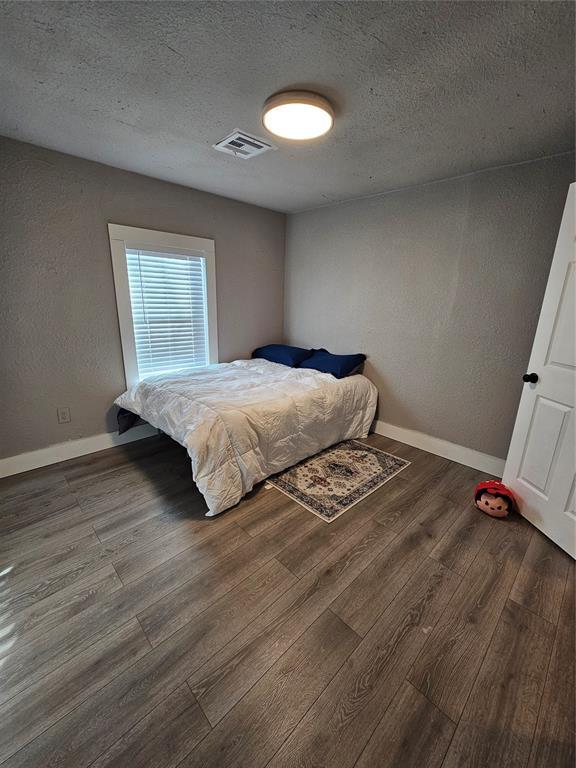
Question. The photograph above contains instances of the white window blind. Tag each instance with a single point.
(169, 310)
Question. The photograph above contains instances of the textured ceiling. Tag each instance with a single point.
(423, 90)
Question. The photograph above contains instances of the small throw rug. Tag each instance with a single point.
(334, 480)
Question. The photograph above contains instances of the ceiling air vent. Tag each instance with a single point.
(243, 145)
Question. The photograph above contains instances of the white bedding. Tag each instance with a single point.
(243, 421)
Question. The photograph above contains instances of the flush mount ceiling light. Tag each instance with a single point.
(298, 115)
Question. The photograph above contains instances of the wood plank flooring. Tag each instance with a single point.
(412, 631)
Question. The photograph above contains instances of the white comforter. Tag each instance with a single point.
(243, 421)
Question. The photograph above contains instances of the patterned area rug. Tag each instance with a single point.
(333, 481)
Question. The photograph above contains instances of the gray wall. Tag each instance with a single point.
(441, 286)
(60, 343)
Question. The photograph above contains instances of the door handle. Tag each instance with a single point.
(530, 378)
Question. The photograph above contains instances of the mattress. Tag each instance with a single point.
(244, 421)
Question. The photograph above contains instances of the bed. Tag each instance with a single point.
(244, 421)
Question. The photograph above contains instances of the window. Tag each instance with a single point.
(166, 297)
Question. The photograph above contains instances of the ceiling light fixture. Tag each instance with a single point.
(298, 115)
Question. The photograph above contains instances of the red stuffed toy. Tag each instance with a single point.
(494, 498)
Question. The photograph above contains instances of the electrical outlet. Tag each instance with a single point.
(64, 416)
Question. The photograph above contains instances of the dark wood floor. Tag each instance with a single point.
(412, 631)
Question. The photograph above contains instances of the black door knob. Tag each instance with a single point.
(530, 378)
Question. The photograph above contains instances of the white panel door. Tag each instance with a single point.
(541, 464)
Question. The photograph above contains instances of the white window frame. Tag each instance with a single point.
(123, 238)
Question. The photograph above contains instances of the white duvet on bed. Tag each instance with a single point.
(243, 421)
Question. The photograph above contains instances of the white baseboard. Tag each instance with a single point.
(13, 465)
(43, 457)
(492, 465)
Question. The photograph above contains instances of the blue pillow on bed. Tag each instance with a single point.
(282, 353)
(338, 365)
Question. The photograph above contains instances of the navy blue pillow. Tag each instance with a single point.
(282, 353)
(338, 365)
